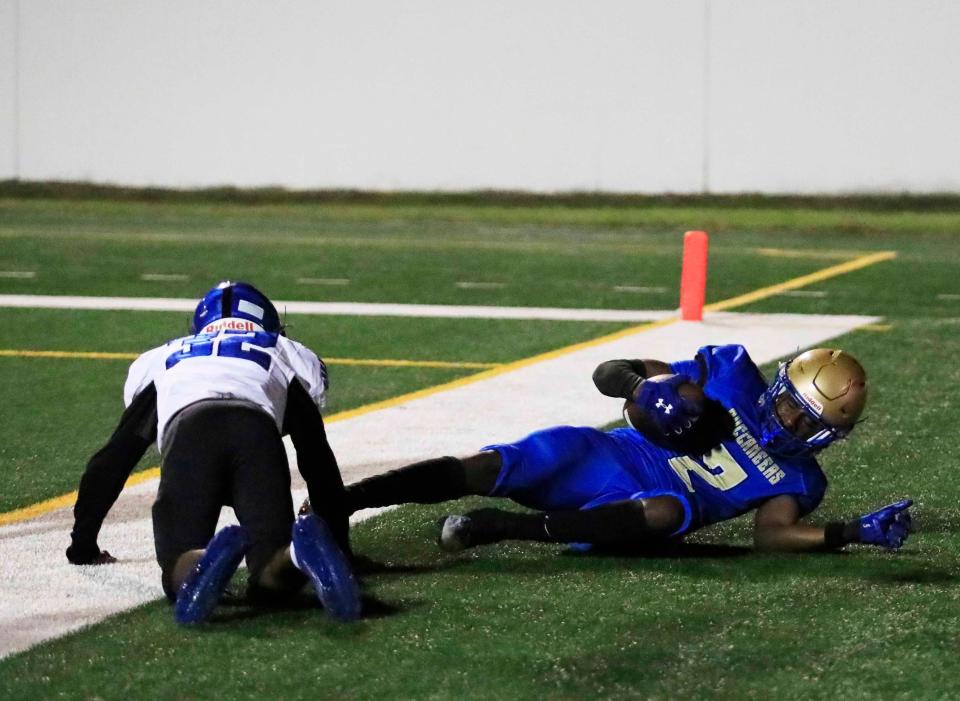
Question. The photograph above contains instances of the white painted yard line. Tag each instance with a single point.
(467, 285)
(802, 293)
(157, 304)
(456, 421)
(949, 297)
(640, 289)
(161, 304)
(807, 254)
(163, 277)
(336, 281)
(18, 274)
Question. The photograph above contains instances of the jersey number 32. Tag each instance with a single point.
(245, 346)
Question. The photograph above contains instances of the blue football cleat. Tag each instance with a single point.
(321, 559)
(203, 587)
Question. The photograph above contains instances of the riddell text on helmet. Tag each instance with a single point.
(231, 324)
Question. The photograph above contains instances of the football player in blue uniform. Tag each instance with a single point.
(709, 440)
(217, 402)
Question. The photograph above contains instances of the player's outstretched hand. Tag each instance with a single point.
(673, 402)
(887, 527)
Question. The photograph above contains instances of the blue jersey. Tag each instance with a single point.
(567, 467)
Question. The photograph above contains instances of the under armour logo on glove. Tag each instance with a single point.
(672, 413)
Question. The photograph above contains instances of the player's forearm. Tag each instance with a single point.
(318, 467)
(317, 462)
(328, 498)
(797, 537)
(801, 537)
(101, 484)
(107, 471)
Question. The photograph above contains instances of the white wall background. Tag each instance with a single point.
(543, 95)
(8, 89)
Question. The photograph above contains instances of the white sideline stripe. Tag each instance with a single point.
(503, 407)
(166, 304)
(948, 296)
(18, 274)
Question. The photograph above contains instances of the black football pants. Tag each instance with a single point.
(221, 453)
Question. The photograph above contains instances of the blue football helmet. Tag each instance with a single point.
(815, 399)
(238, 300)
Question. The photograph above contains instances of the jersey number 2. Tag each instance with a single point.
(720, 470)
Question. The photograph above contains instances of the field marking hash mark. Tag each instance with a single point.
(164, 277)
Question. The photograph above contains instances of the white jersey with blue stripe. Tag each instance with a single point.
(228, 359)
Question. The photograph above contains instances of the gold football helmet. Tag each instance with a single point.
(828, 387)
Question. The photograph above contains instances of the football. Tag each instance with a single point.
(637, 418)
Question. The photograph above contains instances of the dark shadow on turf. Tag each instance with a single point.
(375, 568)
(915, 575)
(678, 550)
(936, 521)
(235, 608)
(712, 561)
(238, 605)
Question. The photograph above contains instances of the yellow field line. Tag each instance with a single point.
(65, 500)
(376, 362)
(833, 271)
(85, 355)
(411, 363)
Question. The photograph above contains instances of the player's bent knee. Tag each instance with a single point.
(664, 514)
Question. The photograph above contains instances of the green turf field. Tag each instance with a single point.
(531, 621)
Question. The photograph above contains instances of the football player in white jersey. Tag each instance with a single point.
(217, 403)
